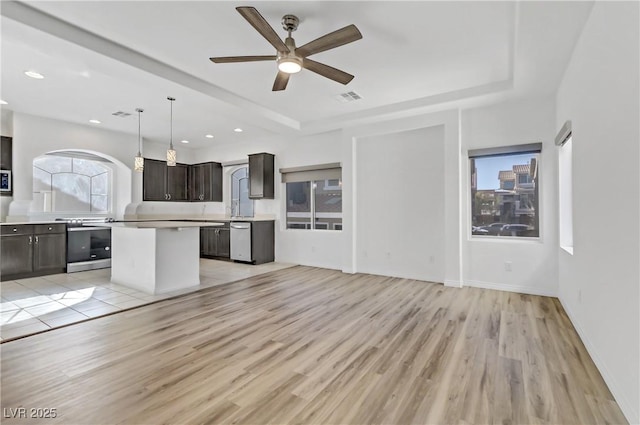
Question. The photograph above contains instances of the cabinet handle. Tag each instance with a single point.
(169, 196)
(37, 240)
(30, 240)
(15, 229)
(50, 228)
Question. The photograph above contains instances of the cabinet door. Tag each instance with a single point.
(49, 251)
(196, 182)
(204, 242)
(177, 178)
(154, 180)
(261, 178)
(214, 180)
(208, 241)
(224, 243)
(263, 241)
(16, 254)
(205, 182)
(6, 156)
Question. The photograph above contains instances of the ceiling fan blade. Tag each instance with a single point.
(334, 39)
(281, 81)
(231, 59)
(256, 20)
(327, 71)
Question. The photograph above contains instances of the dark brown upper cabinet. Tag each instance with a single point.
(163, 183)
(178, 182)
(198, 182)
(205, 182)
(6, 153)
(261, 176)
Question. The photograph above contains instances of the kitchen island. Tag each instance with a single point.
(156, 256)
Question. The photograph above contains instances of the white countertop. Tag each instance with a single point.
(206, 217)
(159, 224)
(16, 223)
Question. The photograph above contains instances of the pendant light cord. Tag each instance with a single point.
(139, 138)
(171, 126)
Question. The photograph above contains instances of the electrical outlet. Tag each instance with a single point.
(432, 259)
(507, 266)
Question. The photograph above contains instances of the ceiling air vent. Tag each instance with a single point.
(121, 114)
(349, 96)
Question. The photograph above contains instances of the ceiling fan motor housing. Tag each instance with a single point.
(290, 23)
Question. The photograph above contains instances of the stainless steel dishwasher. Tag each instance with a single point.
(240, 240)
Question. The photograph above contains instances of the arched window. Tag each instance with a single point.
(72, 183)
(241, 205)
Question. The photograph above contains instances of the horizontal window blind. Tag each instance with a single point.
(311, 173)
(506, 150)
(563, 134)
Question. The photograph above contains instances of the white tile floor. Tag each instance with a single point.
(41, 303)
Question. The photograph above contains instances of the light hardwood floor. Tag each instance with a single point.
(307, 345)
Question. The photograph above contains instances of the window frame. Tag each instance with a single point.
(565, 190)
(110, 177)
(311, 175)
(534, 148)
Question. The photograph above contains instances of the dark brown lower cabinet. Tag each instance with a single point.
(47, 254)
(17, 255)
(262, 242)
(32, 250)
(215, 242)
(224, 243)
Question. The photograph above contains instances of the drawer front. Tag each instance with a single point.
(49, 228)
(18, 229)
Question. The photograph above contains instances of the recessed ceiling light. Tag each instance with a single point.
(209, 136)
(4, 102)
(184, 141)
(34, 74)
(94, 122)
(237, 130)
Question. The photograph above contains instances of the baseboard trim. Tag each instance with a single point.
(452, 283)
(422, 278)
(629, 411)
(511, 288)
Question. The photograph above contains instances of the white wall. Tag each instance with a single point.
(34, 136)
(599, 284)
(400, 204)
(443, 126)
(534, 263)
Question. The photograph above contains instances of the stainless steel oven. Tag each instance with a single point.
(88, 244)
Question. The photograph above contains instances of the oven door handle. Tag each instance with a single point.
(86, 228)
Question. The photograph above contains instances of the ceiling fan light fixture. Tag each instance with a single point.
(290, 64)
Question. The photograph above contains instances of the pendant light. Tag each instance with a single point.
(138, 164)
(171, 153)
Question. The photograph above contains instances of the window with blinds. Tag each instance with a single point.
(314, 197)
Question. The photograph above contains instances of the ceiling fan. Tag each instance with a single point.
(292, 59)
